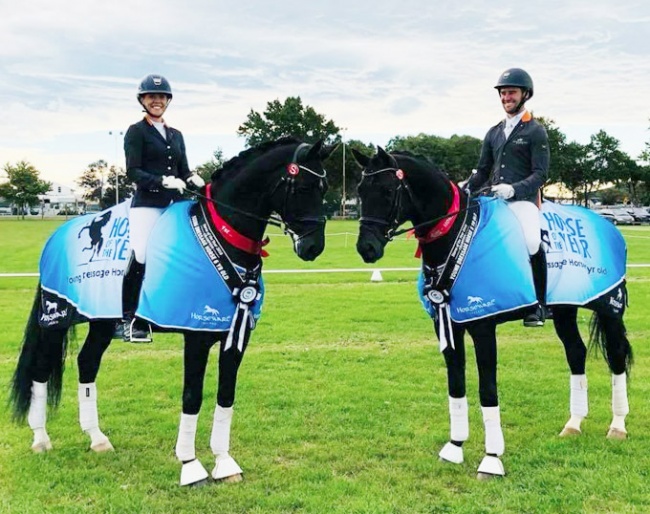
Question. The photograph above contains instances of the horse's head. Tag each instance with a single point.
(285, 177)
(396, 187)
(379, 193)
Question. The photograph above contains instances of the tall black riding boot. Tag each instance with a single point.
(135, 330)
(538, 264)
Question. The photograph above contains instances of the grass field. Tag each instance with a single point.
(341, 406)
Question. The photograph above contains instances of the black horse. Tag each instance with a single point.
(397, 187)
(285, 178)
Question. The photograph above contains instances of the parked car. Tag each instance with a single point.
(616, 216)
(5, 211)
(640, 214)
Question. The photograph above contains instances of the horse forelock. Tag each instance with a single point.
(249, 156)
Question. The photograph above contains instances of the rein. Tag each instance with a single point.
(448, 215)
(255, 247)
(393, 218)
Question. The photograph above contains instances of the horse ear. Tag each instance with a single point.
(382, 154)
(362, 159)
(327, 150)
(315, 150)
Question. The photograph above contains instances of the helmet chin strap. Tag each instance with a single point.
(144, 109)
(524, 99)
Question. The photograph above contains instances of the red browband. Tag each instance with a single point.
(236, 239)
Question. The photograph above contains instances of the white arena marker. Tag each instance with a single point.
(376, 276)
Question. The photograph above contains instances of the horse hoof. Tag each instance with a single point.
(103, 446)
(570, 432)
(42, 447)
(617, 434)
(193, 474)
(232, 479)
(490, 467)
(451, 453)
(227, 470)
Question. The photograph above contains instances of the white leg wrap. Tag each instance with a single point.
(620, 406)
(185, 444)
(459, 420)
(220, 437)
(38, 406)
(579, 403)
(37, 417)
(88, 417)
(494, 442)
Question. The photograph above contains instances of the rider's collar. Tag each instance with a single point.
(233, 237)
(444, 225)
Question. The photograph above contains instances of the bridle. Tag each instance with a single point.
(392, 222)
(293, 168)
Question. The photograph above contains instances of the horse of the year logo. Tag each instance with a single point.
(95, 233)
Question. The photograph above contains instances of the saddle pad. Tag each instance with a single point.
(586, 254)
(586, 258)
(496, 261)
(181, 288)
(84, 261)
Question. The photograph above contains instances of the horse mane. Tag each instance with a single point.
(417, 157)
(237, 162)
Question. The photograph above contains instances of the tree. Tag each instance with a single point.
(577, 174)
(456, 155)
(608, 161)
(24, 186)
(290, 118)
(98, 184)
(206, 169)
(556, 145)
(92, 181)
(125, 187)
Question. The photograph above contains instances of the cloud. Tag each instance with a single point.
(378, 68)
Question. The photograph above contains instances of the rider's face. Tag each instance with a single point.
(155, 103)
(510, 99)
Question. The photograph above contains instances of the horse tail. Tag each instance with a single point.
(619, 350)
(38, 346)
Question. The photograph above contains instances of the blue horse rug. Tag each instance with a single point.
(83, 264)
(586, 258)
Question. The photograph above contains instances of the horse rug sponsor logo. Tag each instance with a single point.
(474, 304)
(210, 315)
(51, 313)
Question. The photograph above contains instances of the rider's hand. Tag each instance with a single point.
(503, 191)
(196, 180)
(170, 182)
(463, 185)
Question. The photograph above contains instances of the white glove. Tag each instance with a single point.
(170, 182)
(196, 180)
(503, 191)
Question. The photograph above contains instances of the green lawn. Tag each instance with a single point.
(341, 406)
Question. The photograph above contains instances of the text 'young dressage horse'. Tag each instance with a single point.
(203, 279)
(476, 274)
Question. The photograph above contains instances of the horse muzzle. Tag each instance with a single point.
(371, 242)
(309, 242)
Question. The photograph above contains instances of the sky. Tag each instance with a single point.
(69, 70)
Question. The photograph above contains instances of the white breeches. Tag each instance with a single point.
(141, 222)
(528, 215)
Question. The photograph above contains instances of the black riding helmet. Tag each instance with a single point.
(154, 84)
(516, 77)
